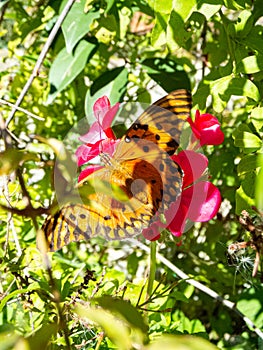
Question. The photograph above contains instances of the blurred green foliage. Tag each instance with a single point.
(95, 296)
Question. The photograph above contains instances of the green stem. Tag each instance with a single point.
(151, 277)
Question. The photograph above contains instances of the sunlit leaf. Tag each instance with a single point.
(77, 23)
(250, 64)
(177, 342)
(250, 303)
(125, 309)
(67, 66)
(116, 330)
(259, 184)
(222, 89)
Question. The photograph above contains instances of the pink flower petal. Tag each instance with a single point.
(100, 107)
(109, 116)
(95, 134)
(193, 165)
(177, 224)
(203, 201)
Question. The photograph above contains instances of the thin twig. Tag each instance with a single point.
(4, 102)
(229, 304)
(40, 59)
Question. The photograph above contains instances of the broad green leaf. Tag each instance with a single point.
(259, 184)
(111, 84)
(247, 164)
(77, 23)
(8, 340)
(244, 23)
(222, 89)
(184, 8)
(177, 35)
(250, 64)
(166, 73)
(158, 37)
(67, 66)
(243, 201)
(164, 7)
(117, 331)
(254, 40)
(250, 303)
(244, 138)
(125, 309)
(41, 338)
(180, 342)
(208, 8)
(257, 117)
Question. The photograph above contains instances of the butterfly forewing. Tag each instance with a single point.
(162, 122)
(142, 168)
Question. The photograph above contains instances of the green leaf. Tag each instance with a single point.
(77, 23)
(247, 164)
(250, 64)
(166, 73)
(164, 7)
(257, 117)
(243, 201)
(158, 37)
(8, 340)
(183, 8)
(259, 184)
(254, 40)
(177, 35)
(125, 309)
(250, 303)
(177, 342)
(112, 84)
(3, 2)
(41, 338)
(117, 331)
(244, 138)
(67, 66)
(245, 22)
(222, 89)
(235, 4)
(208, 8)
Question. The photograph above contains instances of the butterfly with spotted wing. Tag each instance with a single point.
(141, 167)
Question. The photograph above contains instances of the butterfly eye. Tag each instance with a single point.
(127, 139)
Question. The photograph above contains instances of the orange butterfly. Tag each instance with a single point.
(143, 170)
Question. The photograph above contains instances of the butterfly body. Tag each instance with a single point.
(141, 168)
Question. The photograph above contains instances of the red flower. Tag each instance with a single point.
(100, 136)
(206, 128)
(198, 202)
